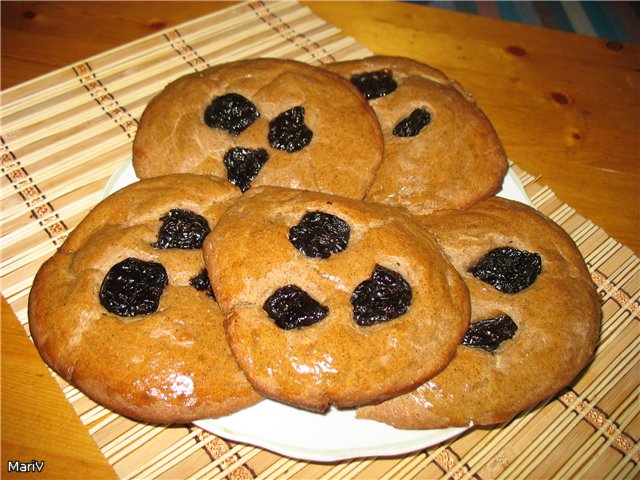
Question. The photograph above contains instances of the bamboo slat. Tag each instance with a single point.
(64, 134)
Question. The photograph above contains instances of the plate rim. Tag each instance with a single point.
(422, 439)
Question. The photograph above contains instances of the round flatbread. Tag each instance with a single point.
(124, 310)
(333, 301)
(262, 122)
(441, 151)
(534, 324)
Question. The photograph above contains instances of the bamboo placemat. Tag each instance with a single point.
(64, 134)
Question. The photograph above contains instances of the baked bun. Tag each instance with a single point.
(441, 151)
(123, 310)
(333, 301)
(535, 319)
(262, 122)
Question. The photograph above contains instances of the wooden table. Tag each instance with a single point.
(566, 107)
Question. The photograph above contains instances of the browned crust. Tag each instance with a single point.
(171, 366)
(558, 320)
(334, 361)
(342, 157)
(454, 162)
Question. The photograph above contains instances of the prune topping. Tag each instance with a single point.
(508, 269)
(385, 296)
(133, 287)
(374, 84)
(489, 334)
(288, 131)
(320, 234)
(243, 164)
(232, 113)
(201, 283)
(291, 307)
(411, 126)
(182, 229)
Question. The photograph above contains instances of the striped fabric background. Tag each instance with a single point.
(617, 21)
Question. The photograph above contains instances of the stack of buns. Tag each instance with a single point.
(317, 236)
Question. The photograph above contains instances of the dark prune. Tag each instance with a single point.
(411, 126)
(288, 131)
(385, 296)
(374, 84)
(232, 113)
(133, 287)
(489, 334)
(182, 229)
(508, 269)
(243, 164)
(201, 283)
(291, 307)
(320, 234)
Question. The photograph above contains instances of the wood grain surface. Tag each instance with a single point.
(566, 107)
(37, 421)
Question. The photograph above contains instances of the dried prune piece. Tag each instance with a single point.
(490, 333)
(288, 131)
(291, 307)
(243, 164)
(182, 229)
(508, 269)
(201, 283)
(320, 234)
(232, 113)
(411, 126)
(375, 84)
(383, 297)
(133, 287)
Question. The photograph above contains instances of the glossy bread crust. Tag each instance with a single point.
(171, 366)
(453, 162)
(334, 361)
(558, 319)
(341, 159)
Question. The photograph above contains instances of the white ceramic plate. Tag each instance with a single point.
(335, 435)
(511, 187)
